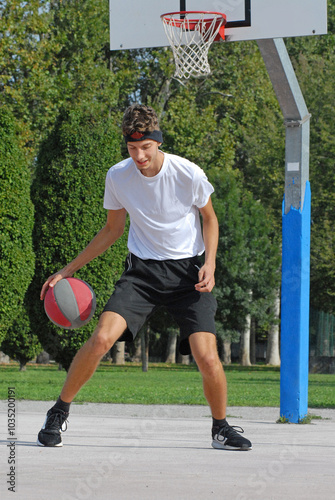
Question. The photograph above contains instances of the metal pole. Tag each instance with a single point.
(295, 232)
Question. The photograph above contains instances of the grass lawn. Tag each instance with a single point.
(162, 384)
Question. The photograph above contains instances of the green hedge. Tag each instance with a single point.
(16, 223)
(68, 195)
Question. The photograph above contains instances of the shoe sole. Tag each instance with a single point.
(219, 446)
(49, 445)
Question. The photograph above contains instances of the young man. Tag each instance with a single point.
(163, 195)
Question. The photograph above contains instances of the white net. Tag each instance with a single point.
(190, 35)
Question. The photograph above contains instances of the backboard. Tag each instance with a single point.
(136, 24)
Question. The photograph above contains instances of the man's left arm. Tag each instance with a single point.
(210, 229)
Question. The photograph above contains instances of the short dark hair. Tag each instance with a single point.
(139, 118)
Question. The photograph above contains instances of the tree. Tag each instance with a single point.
(16, 219)
(145, 334)
(52, 54)
(21, 343)
(272, 353)
(315, 67)
(118, 353)
(248, 259)
(26, 85)
(81, 70)
(68, 192)
(171, 350)
(245, 343)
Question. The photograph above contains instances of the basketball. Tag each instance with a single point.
(70, 303)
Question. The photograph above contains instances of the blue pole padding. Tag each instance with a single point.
(295, 311)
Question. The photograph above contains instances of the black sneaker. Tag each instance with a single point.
(50, 434)
(229, 438)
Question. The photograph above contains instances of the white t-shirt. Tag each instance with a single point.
(163, 209)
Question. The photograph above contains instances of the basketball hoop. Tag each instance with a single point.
(190, 35)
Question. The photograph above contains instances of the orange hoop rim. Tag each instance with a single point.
(193, 22)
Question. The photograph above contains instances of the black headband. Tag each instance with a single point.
(155, 135)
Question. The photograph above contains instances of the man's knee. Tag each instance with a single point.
(204, 350)
(209, 363)
(101, 343)
(109, 329)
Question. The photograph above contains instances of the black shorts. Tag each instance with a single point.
(149, 284)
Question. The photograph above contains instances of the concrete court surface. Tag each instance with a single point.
(150, 452)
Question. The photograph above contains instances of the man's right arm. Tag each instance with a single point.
(112, 230)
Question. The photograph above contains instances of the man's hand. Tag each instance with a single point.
(52, 280)
(206, 278)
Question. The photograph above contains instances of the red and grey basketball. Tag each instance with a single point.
(70, 303)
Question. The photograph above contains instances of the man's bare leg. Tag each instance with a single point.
(109, 329)
(204, 351)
